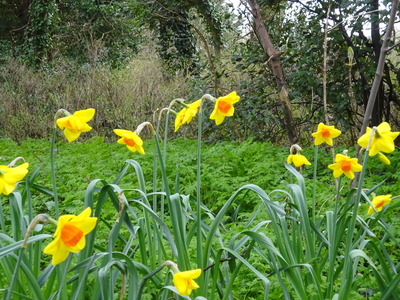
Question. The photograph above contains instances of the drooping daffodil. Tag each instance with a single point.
(9, 176)
(224, 107)
(179, 118)
(70, 235)
(186, 114)
(379, 202)
(325, 134)
(184, 283)
(382, 140)
(129, 138)
(296, 158)
(74, 125)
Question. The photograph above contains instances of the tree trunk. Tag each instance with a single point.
(274, 64)
(377, 112)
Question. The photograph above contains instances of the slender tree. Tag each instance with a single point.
(274, 63)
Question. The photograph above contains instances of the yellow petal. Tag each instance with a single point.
(85, 115)
(122, 132)
(71, 135)
(62, 122)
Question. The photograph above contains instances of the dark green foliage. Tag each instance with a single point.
(43, 19)
(99, 31)
(84, 31)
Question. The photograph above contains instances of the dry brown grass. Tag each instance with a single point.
(122, 98)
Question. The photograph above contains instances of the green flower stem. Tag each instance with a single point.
(314, 186)
(332, 225)
(2, 224)
(347, 279)
(337, 199)
(200, 262)
(53, 174)
(162, 160)
(179, 232)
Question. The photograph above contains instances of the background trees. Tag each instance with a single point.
(216, 50)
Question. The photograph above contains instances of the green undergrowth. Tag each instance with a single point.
(226, 167)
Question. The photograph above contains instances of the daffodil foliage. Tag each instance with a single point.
(126, 238)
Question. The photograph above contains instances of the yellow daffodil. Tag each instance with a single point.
(346, 165)
(179, 118)
(75, 124)
(70, 235)
(224, 107)
(184, 282)
(379, 202)
(382, 157)
(186, 115)
(325, 134)
(298, 160)
(191, 111)
(129, 138)
(10, 176)
(382, 141)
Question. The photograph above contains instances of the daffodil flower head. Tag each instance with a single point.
(184, 283)
(325, 134)
(379, 202)
(9, 177)
(129, 138)
(74, 125)
(70, 235)
(186, 115)
(180, 116)
(345, 165)
(296, 158)
(382, 139)
(224, 107)
(191, 111)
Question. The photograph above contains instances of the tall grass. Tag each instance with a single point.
(122, 97)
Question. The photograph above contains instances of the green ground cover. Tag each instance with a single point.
(226, 167)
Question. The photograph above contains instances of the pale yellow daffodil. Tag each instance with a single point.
(70, 235)
(224, 107)
(382, 141)
(184, 283)
(129, 138)
(75, 124)
(10, 176)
